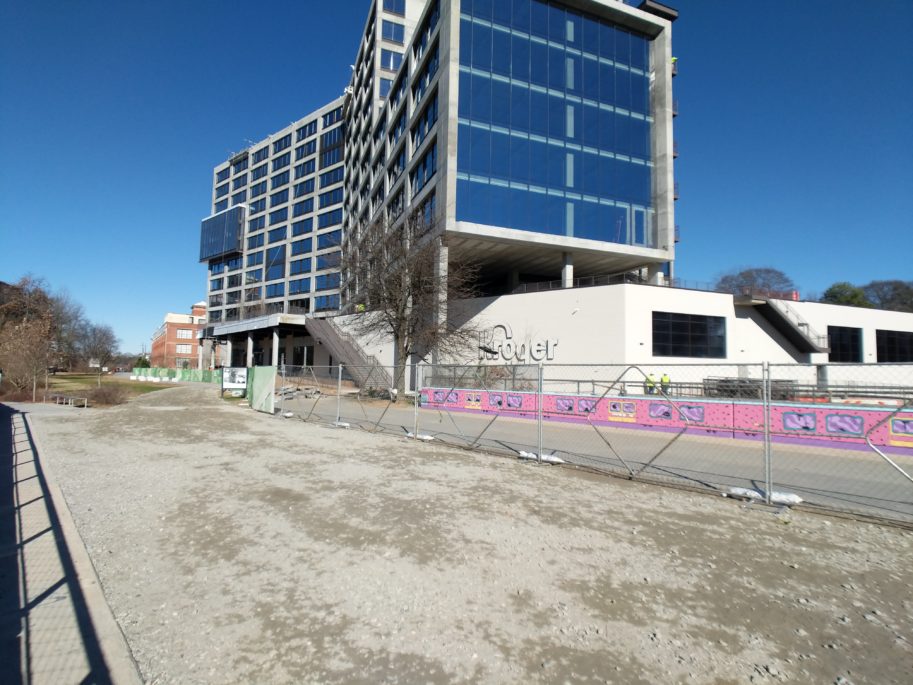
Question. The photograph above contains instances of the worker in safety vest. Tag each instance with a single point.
(650, 384)
(665, 383)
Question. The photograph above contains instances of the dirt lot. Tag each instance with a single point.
(238, 547)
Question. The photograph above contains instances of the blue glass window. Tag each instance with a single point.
(326, 303)
(392, 31)
(329, 218)
(331, 197)
(390, 60)
(256, 224)
(305, 168)
(278, 234)
(303, 207)
(275, 263)
(258, 189)
(259, 172)
(330, 260)
(255, 241)
(425, 121)
(301, 246)
(279, 180)
(306, 131)
(397, 6)
(282, 160)
(302, 227)
(253, 276)
(332, 137)
(222, 190)
(223, 174)
(330, 177)
(304, 188)
(257, 206)
(332, 117)
(275, 290)
(384, 87)
(425, 169)
(240, 165)
(239, 181)
(284, 142)
(238, 198)
(215, 284)
(254, 258)
(330, 239)
(261, 154)
(300, 285)
(299, 266)
(278, 198)
(326, 281)
(220, 206)
(306, 150)
(278, 216)
(331, 157)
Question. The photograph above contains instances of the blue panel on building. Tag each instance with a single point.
(221, 233)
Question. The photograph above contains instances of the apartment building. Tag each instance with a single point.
(175, 344)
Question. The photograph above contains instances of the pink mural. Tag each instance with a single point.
(829, 424)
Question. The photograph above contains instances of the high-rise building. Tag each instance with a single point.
(272, 243)
(535, 135)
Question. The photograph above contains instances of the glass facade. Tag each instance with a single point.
(554, 123)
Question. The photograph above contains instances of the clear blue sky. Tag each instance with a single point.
(794, 135)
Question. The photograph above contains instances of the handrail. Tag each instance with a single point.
(800, 323)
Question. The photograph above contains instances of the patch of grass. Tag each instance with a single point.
(87, 385)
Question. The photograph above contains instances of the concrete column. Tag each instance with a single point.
(655, 274)
(440, 277)
(567, 271)
(227, 360)
(200, 344)
(250, 349)
(275, 359)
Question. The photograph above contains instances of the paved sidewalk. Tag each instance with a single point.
(55, 625)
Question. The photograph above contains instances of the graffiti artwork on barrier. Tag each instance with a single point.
(659, 410)
(844, 424)
(564, 404)
(622, 411)
(451, 397)
(586, 406)
(901, 433)
(794, 421)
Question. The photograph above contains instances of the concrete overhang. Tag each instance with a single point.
(258, 323)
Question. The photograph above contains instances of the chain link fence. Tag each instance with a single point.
(836, 437)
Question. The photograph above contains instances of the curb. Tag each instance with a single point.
(122, 667)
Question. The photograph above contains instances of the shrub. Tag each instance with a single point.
(108, 395)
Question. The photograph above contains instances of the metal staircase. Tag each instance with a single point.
(787, 321)
(365, 370)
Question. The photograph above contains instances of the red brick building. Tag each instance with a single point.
(175, 344)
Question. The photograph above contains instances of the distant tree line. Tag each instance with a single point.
(894, 295)
(42, 332)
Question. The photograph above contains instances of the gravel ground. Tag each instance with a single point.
(238, 547)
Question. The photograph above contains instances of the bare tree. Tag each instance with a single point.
(747, 281)
(26, 324)
(397, 279)
(69, 325)
(99, 345)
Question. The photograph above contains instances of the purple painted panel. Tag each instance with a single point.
(844, 423)
(794, 421)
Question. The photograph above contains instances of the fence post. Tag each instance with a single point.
(282, 389)
(415, 399)
(539, 416)
(338, 394)
(765, 389)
